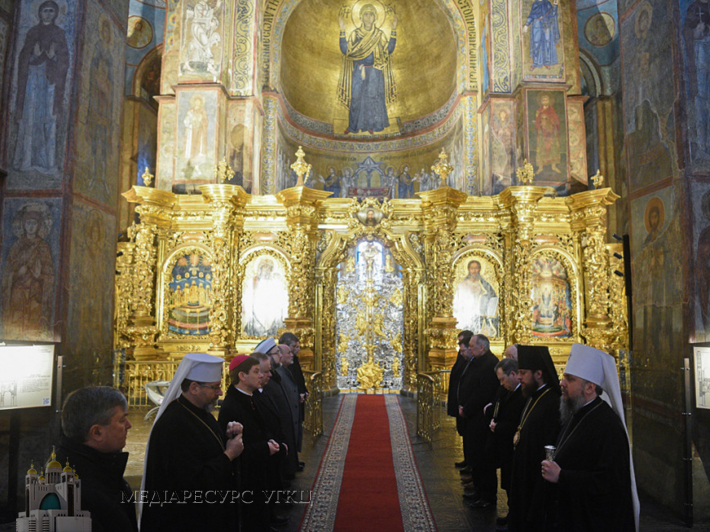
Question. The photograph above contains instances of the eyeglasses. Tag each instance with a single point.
(215, 387)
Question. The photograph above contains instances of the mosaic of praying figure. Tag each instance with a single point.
(476, 302)
(332, 182)
(544, 33)
(366, 84)
(41, 76)
(190, 295)
(264, 298)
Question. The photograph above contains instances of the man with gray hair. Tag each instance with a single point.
(94, 428)
(591, 466)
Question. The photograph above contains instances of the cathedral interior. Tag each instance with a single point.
(197, 175)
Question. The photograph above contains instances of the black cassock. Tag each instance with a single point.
(594, 489)
(507, 418)
(527, 491)
(254, 460)
(188, 472)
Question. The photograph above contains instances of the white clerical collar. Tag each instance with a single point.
(245, 393)
(518, 386)
(541, 387)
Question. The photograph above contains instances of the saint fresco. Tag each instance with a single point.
(552, 302)
(476, 299)
(264, 297)
(190, 295)
(28, 277)
(544, 57)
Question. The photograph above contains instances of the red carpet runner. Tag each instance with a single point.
(368, 478)
(368, 493)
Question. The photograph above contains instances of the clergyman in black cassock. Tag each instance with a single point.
(539, 425)
(452, 404)
(189, 460)
(480, 384)
(591, 473)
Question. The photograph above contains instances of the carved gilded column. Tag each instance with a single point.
(617, 298)
(589, 212)
(124, 291)
(153, 209)
(326, 307)
(410, 282)
(440, 216)
(302, 219)
(227, 203)
(521, 202)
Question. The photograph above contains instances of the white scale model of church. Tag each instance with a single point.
(53, 501)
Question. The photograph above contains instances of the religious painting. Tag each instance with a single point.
(547, 130)
(30, 263)
(700, 198)
(140, 32)
(476, 295)
(201, 45)
(369, 216)
(577, 140)
(4, 45)
(656, 259)
(648, 109)
(92, 275)
(600, 29)
(264, 296)
(166, 140)
(551, 298)
(543, 41)
(100, 109)
(486, 178)
(197, 116)
(40, 93)
(695, 19)
(367, 93)
(502, 144)
(189, 299)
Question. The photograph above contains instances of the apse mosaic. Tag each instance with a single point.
(264, 297)
(552, 301)
(476, 296)
(189, 298)
(369, 320)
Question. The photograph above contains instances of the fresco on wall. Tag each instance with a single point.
(40, 93)
(166, 141)
(4, 45)
(476, 295)
(91, 280)
(700, 197)
(197, 112)
(648, 94)
(577, 141)
(140, 32)
(548, 137)
(201, 47)
(189, 299)
(656, 255)
(239, 144)
(502, 145)
(543, 44)
(551, 298)
(486, 178)
(264, 296)
(598, 34)
(100, 109)
(30, 268)
(695, 20)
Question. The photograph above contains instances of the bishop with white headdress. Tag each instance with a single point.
(592, 465)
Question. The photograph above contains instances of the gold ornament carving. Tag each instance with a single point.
(301, 167)
(526, 173)
(442, 168)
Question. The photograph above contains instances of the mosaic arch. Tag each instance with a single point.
(459, 12)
